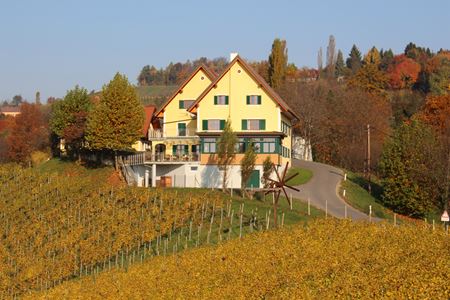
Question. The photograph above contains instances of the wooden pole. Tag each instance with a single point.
(290, 196)
(369, 187)
(309, 207)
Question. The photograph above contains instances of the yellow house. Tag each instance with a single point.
(183, 133)
(257, 114)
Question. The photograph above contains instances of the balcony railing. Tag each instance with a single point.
(160, 134)
(161, 157)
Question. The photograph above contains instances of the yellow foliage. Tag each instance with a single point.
(55, 228)
(327, 259)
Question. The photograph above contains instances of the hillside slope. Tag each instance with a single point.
(327, 259)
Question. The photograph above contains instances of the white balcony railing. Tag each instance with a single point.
(161, 157)
(160, 134)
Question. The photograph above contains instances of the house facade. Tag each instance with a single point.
(183, 150)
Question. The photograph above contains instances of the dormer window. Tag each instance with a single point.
(185, 104)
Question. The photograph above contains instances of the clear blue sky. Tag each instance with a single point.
(51, 46)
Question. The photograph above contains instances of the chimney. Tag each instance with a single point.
(233, 55)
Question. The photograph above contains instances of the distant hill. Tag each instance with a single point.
(155, 94)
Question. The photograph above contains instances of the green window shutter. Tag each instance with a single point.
(174, 149)
(262, 124)
(259, 99)
(226, 100)
(186, 149)
(215, 100)
(244, 124)
(222, 124)
(205, 124)
(248, 99)
(202, 148)
(181, 104)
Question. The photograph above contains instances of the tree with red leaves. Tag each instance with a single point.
(403, 72)
(29, 133)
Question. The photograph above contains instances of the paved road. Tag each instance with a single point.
(322, 190)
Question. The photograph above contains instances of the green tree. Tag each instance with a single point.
(354, 59)
(247, 166)
(116, 120)
(387, 58)
(339, 69)
(69, 116)
(439, 81)
(226, 151)
(278, 59)
(37, 99)
(267, 171)
(410, 166)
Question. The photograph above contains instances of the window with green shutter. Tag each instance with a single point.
(253, 99)
(222, 124)
(182, 129)
(244, 124)
(254, 124)
(181, 104)
(221, 100)
(205, 124)
(262, 124)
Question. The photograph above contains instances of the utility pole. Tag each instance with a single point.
(369, 188)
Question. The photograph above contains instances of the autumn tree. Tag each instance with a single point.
(331, 57)
(226, 151)
(354, 60)
(262, 68)
(369, 77)
(410, 167)
(436, 113)
(403, 72)
(278, 60)
(116, 120)
(29, 133)
(372, 57)
(69, 117)
(247, 165)
(333, 119)
(319, 60)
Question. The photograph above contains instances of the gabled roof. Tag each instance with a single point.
(149, 112)
(10, 109)
(202, 67)
(256, 77)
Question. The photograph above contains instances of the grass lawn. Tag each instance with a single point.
(303, 177)
(358, 197)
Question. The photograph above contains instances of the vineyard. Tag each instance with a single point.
(57, 228)
(327, 259)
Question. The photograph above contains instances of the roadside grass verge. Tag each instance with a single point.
(358, 197)
(304, 175)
